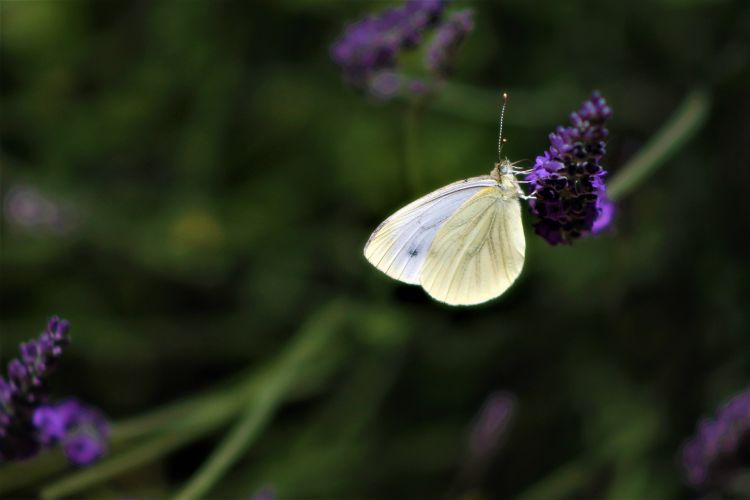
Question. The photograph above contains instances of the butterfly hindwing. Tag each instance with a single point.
(478, 252)
(399, 246)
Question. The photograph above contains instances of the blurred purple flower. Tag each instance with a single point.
(27, 423)
(80, 429)
(26, 207)
(372, 44)
(568, 180)
(490, 425)
(720, 448)
(368, 50)
(441, 53)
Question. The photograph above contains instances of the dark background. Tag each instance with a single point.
(211, 181)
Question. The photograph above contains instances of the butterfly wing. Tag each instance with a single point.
(399, 245)
(478, 252)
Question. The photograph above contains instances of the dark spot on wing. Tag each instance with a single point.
(413, 252)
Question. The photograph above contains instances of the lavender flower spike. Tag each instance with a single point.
(27, 423)
(719, 450)
(567, 181)
(24, 390)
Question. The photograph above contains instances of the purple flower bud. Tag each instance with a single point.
(82, 430)
(50, 424)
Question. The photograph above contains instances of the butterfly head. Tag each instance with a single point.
(502, 170)
(504, 174)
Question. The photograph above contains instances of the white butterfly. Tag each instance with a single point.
(463, 243)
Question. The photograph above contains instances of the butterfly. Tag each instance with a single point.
(464, 243)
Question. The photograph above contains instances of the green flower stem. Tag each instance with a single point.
(298, 361)
(165, 417)
(679, 129)
(237, 440)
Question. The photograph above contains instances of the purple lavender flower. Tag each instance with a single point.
(368, 50)
(81, 430)
(568, 180)
(441, 53)
(27, 423)
(24, 390)
(720, 448)
(372, 44)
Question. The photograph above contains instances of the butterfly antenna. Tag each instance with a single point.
(501, 140)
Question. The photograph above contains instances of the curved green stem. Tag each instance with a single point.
(260, 409)
(237, 440)
(678, 130)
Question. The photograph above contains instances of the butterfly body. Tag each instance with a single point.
(463, 243)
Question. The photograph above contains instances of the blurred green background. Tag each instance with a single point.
(207, 183)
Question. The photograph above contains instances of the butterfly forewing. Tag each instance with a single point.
(478, 252)
(398, 246)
